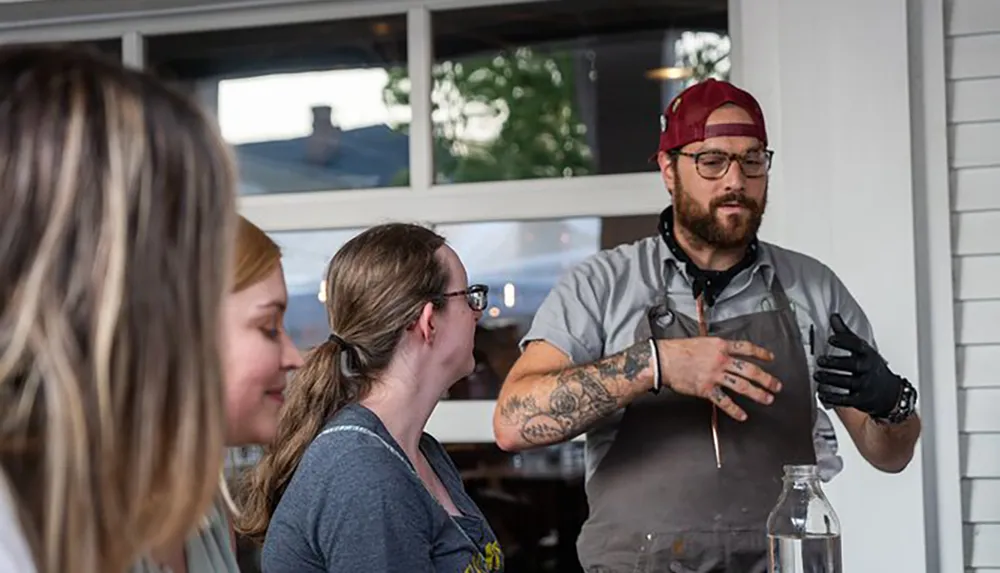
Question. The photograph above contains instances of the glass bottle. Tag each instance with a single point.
(803, 530)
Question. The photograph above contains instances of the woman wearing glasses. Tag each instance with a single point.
(352, 482)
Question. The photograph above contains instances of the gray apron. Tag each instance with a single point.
(658, 502)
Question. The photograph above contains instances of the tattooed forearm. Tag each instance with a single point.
(578, 399)
(560, 405)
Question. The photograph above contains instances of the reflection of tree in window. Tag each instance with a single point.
(706, 54)
(526, 94)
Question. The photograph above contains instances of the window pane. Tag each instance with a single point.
(302, 104)
(305, 256)
(521, 261)
(564, 88)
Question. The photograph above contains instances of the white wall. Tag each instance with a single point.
(832, 79)
(973, 73)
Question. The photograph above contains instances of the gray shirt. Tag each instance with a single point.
(355, 503)
(208, 550)
(594, 310)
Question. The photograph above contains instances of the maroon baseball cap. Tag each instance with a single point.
(684, 119)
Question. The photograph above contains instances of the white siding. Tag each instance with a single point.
(973, 71)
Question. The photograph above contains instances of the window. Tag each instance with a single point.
(303, 104)
(305, 256)
(520, 261)
(564, 88)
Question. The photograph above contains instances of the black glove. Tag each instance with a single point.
(868, 384)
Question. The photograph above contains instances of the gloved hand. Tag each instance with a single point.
(868, 384)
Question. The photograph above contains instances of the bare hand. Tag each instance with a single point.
(703, 366)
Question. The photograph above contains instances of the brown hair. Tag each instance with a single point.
(256, 255)
(118, 203)
(376, 286)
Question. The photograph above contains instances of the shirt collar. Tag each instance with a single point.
(764, 264)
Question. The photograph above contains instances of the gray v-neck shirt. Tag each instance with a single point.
(355, 504)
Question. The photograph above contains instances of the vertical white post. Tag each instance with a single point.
(420, 48)
(134, 50)
(936, 311)
(734, 10)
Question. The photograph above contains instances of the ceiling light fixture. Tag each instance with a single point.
(672, 73)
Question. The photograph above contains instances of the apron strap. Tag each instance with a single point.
(703, 331)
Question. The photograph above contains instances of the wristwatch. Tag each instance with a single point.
(905, 405)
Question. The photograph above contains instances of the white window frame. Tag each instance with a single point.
(466, 421)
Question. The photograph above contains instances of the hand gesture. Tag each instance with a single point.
(703, 366)
(866, 384)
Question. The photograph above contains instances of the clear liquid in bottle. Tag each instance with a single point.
(803, 530)
(809, 554)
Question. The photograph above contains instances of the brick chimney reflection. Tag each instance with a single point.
(324, 141)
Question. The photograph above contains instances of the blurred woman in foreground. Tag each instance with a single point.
(117, 198)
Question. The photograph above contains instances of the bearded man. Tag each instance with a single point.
(694, 361)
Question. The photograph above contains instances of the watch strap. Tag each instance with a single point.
(906, 404)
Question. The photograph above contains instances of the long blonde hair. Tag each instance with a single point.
(117, 198)
(376, 285)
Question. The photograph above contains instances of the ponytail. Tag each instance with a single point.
(317, 391)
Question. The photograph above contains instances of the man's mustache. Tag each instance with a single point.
(737, 198)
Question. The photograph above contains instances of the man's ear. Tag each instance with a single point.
(667, 171)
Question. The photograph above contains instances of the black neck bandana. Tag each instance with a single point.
(708, 282)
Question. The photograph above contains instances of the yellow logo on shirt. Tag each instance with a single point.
(493, 561)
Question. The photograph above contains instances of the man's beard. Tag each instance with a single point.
(734, 231)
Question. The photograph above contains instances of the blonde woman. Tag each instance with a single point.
(258, 354)
(117, 202)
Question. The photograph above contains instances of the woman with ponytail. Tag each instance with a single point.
(351, 481)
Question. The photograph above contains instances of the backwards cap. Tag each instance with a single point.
(684, 119)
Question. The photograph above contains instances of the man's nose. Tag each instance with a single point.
(734, 179)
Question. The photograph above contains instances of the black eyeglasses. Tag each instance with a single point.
(715, 164)
(475, 295)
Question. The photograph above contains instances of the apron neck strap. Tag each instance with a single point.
(778, 292)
